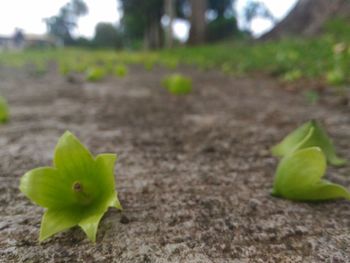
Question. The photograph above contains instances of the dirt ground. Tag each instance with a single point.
(194, 173)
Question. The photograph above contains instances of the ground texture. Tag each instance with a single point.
(194, 173)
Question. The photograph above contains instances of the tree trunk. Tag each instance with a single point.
(198, 23)
(154, 35)
(170, 12)
(308, 18)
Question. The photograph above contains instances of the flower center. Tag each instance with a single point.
(81, 194)
(77, 187)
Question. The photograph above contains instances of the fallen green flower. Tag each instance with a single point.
(77, 191)
(299, 177)
(177, 84)
(336, 77)
(4, 111)
(292, 75)
(95, 74)
(308, 135)
(121, 71)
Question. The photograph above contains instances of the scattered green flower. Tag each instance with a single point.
(4, 111)
(121, 70)
(177, 84)
(299, 177)
(336, 77)
(308, 135)
(77, 191)
(292, 75)
(95, 74)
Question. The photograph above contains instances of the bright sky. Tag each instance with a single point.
(278, 8)
(29, 14)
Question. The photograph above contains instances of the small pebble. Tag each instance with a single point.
(124, 220)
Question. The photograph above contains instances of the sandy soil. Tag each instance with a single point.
(194, 173)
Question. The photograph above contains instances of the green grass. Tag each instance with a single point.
(289, 59)
(310, 57)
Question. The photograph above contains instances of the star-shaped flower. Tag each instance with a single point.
(77, 191)
(310, 134)
(300, 177)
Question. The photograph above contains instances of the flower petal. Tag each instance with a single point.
(308, 135)
(298, 171)
(115, 202)
(44, 187)
(289, 143)
(72, 159)
(105, 169)
(325, 190)
(90, 225)
(298, 177)
(56, 220)
(320, 139)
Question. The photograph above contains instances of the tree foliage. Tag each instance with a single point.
(255, 9)
(106, 35)
(62, 24)
(221, 28)
(225, 23)
(142, 20)
(221, 7)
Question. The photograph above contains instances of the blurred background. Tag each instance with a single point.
(125, 22)
(290, 40)
(305, 40)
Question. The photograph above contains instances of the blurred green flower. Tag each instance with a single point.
(177, 84)
(4, 111)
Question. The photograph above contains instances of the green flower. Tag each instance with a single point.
(121, 71)
(95, 74)
(4, 111)
(77, 191)
(299, 177)
(177, 84)
(308, 135)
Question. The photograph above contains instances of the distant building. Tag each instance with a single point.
(6, 42)
(32, 40)
(20, 41)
